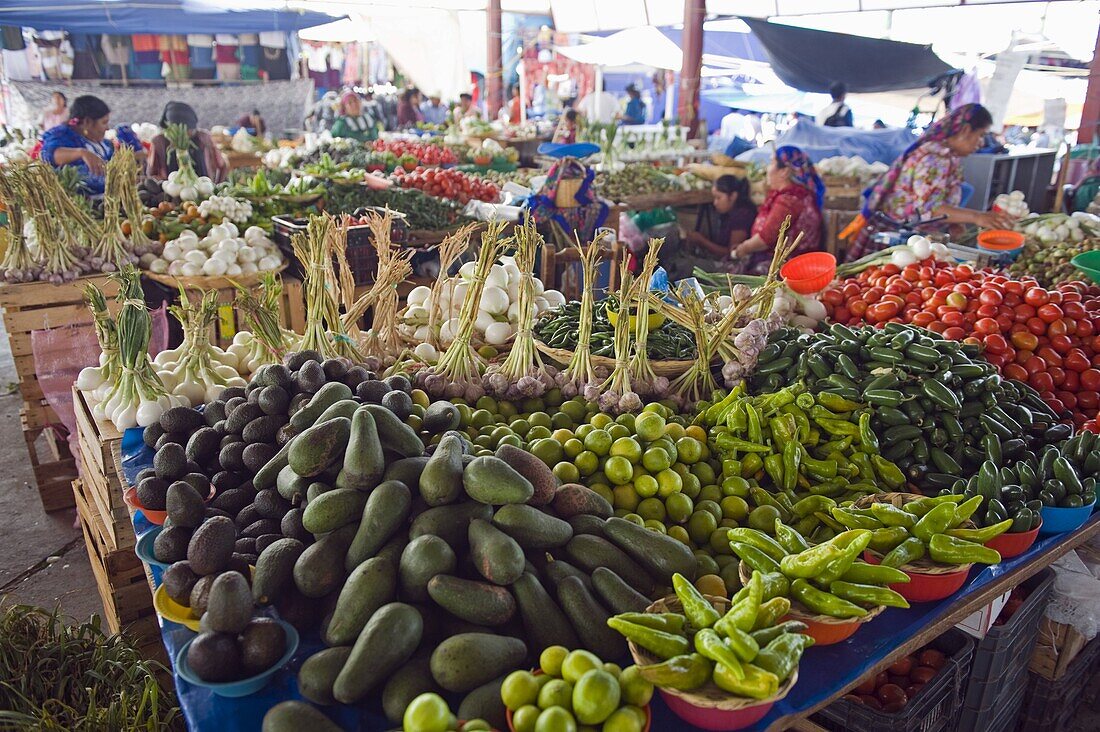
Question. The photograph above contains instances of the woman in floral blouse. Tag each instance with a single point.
(926, 181)
(795, 190)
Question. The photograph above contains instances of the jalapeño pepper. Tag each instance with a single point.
(888, 472)
(884, 540)
(664, 645)
(668, 622)
(742, 614)
(867, 594)
(781, 656)
(908, 551)
(756, 559)
(893, 516)
(981, 536)
(824, 603)
(710, 645)
(771, 611)
(950, 550)
(788, 538)
(868, 441)
(854, 521)
(700, 613)
(756, 684)
(682, 673)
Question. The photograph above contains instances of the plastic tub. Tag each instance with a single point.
(1012, 545)
(717, 719)
(171, 610)
(144, 547)
(1001, 241)
(809, 273)
(244, 687)
(829, 631)
(1088, 263)
(1061, 520)
(925, 587)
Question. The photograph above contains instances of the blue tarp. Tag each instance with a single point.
(825, 142)
(124, 17)
(822, 671)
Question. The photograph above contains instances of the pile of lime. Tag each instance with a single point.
(573, 689)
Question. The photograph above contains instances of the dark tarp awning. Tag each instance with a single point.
(125, 17)
(812, 60)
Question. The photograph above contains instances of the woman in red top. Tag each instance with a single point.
(795, 190)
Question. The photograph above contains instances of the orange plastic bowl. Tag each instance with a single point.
(924, 587)
(717, 719)
(1012, 545)
(1000, 240)
(826, 634)
(809, 273)
(129, 496)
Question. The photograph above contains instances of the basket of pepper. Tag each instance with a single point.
(719, 663)
(932, 540)
(824, 585)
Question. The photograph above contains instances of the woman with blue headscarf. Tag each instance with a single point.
(794, 190)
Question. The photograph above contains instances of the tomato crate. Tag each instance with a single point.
(1000, 661)
(932, 710)
(1050, 705)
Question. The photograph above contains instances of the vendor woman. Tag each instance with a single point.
(794, 190)
(80, 142)
(205, 157)
(926, 181)
(730, 219)
(351, 122)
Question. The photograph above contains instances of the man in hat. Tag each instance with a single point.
(635, 108)
(433, 110)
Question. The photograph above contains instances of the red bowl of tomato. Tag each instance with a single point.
(1013, 545)
(926, 584)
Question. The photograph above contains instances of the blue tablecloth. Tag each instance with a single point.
(822, 671)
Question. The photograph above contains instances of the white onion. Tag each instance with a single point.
(903, 258)
(494, 300)
(419, 295)
(497, 333)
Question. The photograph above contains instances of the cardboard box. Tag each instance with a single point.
(979, 623)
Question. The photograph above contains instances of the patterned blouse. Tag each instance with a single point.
(796, 202)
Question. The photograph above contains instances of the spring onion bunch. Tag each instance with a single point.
(458, 371)
(450, 249)
(113, 246)
(384, 339)
(579, 374)
(183, 183)
(523, 374)
(266, 341)
(615, 394)
(98, 380)
(315, 249)
(645, 382)
(18, 261)
(197, 370)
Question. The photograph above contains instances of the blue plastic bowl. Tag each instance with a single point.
(1060, 520)
(144, 548)
(244, 687)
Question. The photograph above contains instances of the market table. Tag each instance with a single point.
(825, 674)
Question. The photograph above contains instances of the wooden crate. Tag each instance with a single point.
(100, 456)
(1056, 646)
(121, 578)
(835, 222)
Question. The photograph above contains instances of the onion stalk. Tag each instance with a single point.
(615, 394)
(580, 372)
(449, 250)
(267, 341)
(384, 338)
(324, 331)
(197, 370)
(642, 376)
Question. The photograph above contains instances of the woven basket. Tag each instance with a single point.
(708, 696)
(566, 195)
(204, 282)
(801, 612)
(924, 565)
(670, 368)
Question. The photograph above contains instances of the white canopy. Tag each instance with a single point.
(645, 46)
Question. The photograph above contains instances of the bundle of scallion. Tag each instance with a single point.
(268, 341)
(197, 370)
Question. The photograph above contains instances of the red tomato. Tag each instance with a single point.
(1014, 371)
(995, 343)
(881, 311)
(1057, 375)
(1068, 398)
(1036, 297)
(1077, 360)
(1088, 399)
(1036, 326)
(1048, 354)
(987, 311)
(842, 315)
(1049, 313)
(857, 307)
(1061, 344)
(1090, 379)
(990, 296)
(954, 333)
(1041, 381)
(937, 326)
(952, 318)
(985, 326)
(1072, 382)
(1025, 340)
(1022, 312)
(922, 319)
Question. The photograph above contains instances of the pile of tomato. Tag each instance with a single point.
(1048, 338)
(425, 154)
(449, 183)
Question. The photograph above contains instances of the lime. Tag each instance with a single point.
(561, 420)
(598, 476)
(552, 397)
(598, 441)
(618, 431)
(582, 431)
(626, 419)
(668, 483)
(573, 447)
(631, 517)
(734, 507)
(507, 409)
(540, 419)
(574, 409)
(533, 404)
(484, 441)
(420, 397)
(587, 462)
(524, 718)
(646, 485)
(562, 435)
(567, 472)
(710, 493)
(674, 431)
(556, 693)
(577, 663)
(649, 426)
(427, 712)
(705, 562)
(635, 689)
(556, 719)
(763, 519)
(538, 432)
(669, 447)
(465, 414)
(651, 508)
(481, 418)
(680, 534)
(512, 439)
(519, 689)
(476, 725)
(547, 450)
(704, 472)
(689, 450)
(710, 507)
(595, 696)
(601, 421)
(520, 426)
(500, 433)
(700, 526)
(655, 525)
(551, 659)
(735, 485)
(696, 432)
(487, 403)
(604, 490)
(679, 508)
(628, 448)
(613, 668)
(711, 584)
(618, 470)
(690, 484)
(625, 497)
(655, 460)
(719, 541)
(415, 421)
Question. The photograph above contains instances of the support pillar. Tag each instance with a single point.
(695, 12)
(494, 73)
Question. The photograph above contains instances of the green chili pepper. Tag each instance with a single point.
(864, 466)
(766, 635)
(921, 506)
(751, 464)
(774, 585)
(819, 469)
(771, 611)
(810, 562)
(908, 551)
(950, 550)
(874, 574)
(664, 645)
(792, 458)
(773, 466)
(742, 644)
(756, 684)
(763, 498)
(829, 521)
(893, 516)
(839, 427)
(888, 472)
(824, 603)
(837, 446)
(756, 435)
(835, 403)
(867, 594)
(789, 538)
(868, 441)
(981, 536)
(758, 539)
(682, 673)
(782, 655)
(884, 540)
(726, 441)
(965, 510)
(742, 615)
(851, 544)
(755, 558)
(936, 521)
(811, 504)
(854, 521)
(710, 645)
(668, 622)
(700, 613)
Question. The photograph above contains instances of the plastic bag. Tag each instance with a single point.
(1075, 600)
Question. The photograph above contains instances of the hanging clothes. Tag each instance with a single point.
(16, 55)
(201, 53)
(86, 64)
(116, 55)
(274, 64)
(249, 53)
(176, 57)
(226, 57)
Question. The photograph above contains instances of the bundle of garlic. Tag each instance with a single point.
(221, 253)
(197, 370)
(125, 388)
(183, 183)
(226, 208)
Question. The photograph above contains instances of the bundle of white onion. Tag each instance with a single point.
(227, 208)
(268, 341)
(197, 370)
(221, 253)
(183, 183)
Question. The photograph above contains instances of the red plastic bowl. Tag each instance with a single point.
(1012, 545)
(129, 497)
(1000, 240)
(717, 719)
(809, 273)
(826, 634)
(924, 587)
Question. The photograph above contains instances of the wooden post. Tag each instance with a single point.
(1090, 113)
(494, 74)
(695, 12)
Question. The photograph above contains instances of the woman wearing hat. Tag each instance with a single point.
(206, 158)
(352, 123)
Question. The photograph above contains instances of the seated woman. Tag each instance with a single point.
(926, 181)
(81, 144)
(352, 122)
(795, 190)
(566, 131)
(205, 157)
(727, 221)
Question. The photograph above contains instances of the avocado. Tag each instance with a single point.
(355, 376)
(485, 703)
(475, 602)
(199, 595)
(450, 523)
(184, 505)
(256, 455)
(295, 716)
(171, 544)
(660, 554)
(245, 545)
(179, 580)
(304, 613)
(439, 417)
(295, 361)
(181, 419)
(320, 568)
(398, 402)
(231, 456)
(290, 486)
(262, 429)
(394, 434)
(317, 447)
(364, 462)
(333, 509)
(263, 542)
(269, 504)
(275, 570)
(532, 528)
(325, 397)
(409, 682)
(423, 558)
(260, 527)
(232, 501)
(388, 641)
(203, 445)
(291, 526)
(211, 545)
(318, 673)
(589, 619)
(369, 586)
(586, 523)
(497, 556)
(273, 400)
(398, 382)
(589, 552)
(215, 657)
(559, 569)
(151, 434)
(385, 511)
(572, 499)
(262, 644)
(615, 594)
(464, 662)
(492, 481)
(372, 391)
(152, 493)
(441, 480)
(407, 470)
(335, 368)
(544, 622)
(273, 374)
(229, 604)
(266, 476)
(537, 473)
(213, 412)
(246, 516)
(239, 418)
